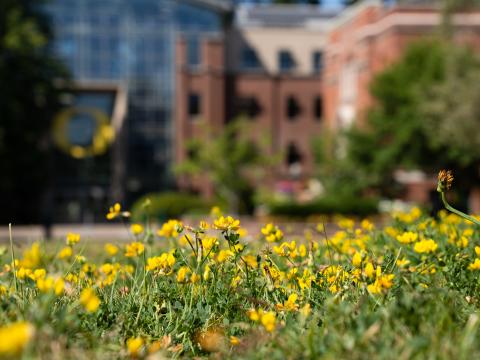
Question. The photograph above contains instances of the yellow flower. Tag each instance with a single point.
(226, 223)
(272, 233)
(182, 274)
(251, 261)
(462, 242)
(116, 211)
(47, 284)
(306, 310)
(14, 338)
(234, 341)
(357, 260)
(107, 269)
(136, 229)
(38, 274)
(65, 253)
(288, 305)
(302, 250)
(72, 239)
(170, 229)
(134, 346)
(383, 282)
(22, 273)
(134, 249)
(31, 257)
(390, 231)
(402, 262)
(110, 249)
(235, 281)
(208, 243)
(162, 264)
(345, 223)
(206, 273)
(194, 278)
(242, 232)
(215, 212)
(477, 250)
(367, 225)
(425, 246)
(204, 225)
(268, 321)
(254, 315)
(224, 255)
(3, 290)
(89, 300)
(407, 237)
(369, 270)
(475, 265)
(71, 278)
(59, 286)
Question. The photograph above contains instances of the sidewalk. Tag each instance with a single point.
(95, 232)
(114, 232)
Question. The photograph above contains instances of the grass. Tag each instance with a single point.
(409, 290)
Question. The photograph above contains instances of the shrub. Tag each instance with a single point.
(168, 205)
(347, 205)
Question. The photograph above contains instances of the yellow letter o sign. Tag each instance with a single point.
(101, 138)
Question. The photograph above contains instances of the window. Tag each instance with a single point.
(247, 106)
(250, 59)
(293, 109)
(193, 51)
(318, 108)
(286, 62)
(193, 104)
(317, 62)
(293, 155)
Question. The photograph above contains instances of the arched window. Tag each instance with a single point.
(293, 108)
(318, 108)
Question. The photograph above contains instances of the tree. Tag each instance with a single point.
(424, 117)
(231, 160)
(451, 115)
(394, 135)
(28, 101)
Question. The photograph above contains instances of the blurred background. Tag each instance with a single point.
(266, 108)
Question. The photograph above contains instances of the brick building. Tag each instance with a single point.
(297, 71)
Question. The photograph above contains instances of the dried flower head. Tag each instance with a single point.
(445, 179)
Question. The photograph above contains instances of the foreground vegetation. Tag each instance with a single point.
(409, 290)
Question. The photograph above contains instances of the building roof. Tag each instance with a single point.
(298, 15)
(224, 6)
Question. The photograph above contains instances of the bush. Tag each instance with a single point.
(326, 206)
(168, 205)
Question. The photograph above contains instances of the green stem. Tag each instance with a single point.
(13, 256)
(458, 212)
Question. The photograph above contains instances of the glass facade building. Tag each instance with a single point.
(128, 44)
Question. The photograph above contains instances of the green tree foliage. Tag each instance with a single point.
(394, 135)
(231, 160)
(28, 100)
(425, 114)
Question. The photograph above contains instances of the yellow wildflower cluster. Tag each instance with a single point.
(162, 264)
(280, 278)
(170, 229)
(72, 239)
(268, 319)
(89, 300)
(14, 338)
(116, 211)
(425, 246)
(134, 249)
(272, 233)
(226, 223)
